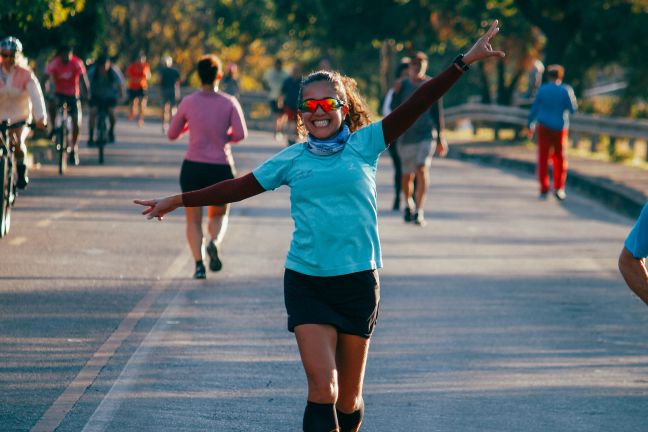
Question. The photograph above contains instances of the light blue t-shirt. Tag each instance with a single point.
(332, 203)
(552, 106)
(637, 241)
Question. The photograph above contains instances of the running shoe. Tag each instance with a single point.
(73, 158)
(419, 219)
(560, 194)
(200, 272)
(215, 263)
(407, 216)
(23, 180)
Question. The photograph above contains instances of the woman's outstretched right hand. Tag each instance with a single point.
(158, 208)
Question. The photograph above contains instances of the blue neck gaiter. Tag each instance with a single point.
(329, 146)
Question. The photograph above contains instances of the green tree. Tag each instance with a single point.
(583, 34)
(43, 24)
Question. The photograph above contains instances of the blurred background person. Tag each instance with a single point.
(21, 98)
(401, 73)
(273, 80)
(230, 82)
(289, 101)
(106, 89)
(68, 71)
(417, 145)
(169, 90)
(551, 108)
(138, 74)
(324, 64)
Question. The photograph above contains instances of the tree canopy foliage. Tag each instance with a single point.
(362, 38)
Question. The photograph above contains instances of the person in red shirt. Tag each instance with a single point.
(138, 74)
(67, 71)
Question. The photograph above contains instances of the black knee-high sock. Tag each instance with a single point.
(350, 422)
(320, 418)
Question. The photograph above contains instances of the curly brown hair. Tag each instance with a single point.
(347, 91)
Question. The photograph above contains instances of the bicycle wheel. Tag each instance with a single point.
(5, 206)
(61, 148)
(101, 135)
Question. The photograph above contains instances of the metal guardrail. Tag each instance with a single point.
(258, 116)
(581, 125)
(254, 104)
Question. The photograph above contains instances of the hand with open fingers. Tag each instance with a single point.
(482, 49)
(158, 208)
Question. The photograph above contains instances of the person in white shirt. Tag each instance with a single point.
(21, 99)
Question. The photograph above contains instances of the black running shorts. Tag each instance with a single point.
(136, 93)
(198, 175)
(348, 302)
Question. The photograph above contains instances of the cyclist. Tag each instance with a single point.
(20, 98)
(106, 88)
(67, 70)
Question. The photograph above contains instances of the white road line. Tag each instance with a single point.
(65, 402)
(63, 213)
(17, 241)
(118, 393)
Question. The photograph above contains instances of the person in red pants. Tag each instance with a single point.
(551, 108)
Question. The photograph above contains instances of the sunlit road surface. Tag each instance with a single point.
(504, 313)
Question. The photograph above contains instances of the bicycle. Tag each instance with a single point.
(8, 172)
(61, 135)
(102, 130)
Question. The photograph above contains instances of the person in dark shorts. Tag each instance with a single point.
(68, 71)
(138, 73)
(209, 115)
(331, 285)
(289, 101)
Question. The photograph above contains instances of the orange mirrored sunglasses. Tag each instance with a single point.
(327, 104)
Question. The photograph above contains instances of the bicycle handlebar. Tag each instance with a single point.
(5, 126)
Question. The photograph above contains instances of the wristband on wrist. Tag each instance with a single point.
(459, 62)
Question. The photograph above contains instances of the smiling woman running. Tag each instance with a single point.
(331, 284)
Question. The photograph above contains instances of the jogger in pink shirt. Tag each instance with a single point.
(214, 121)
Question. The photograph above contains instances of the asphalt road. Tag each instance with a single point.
(505, 313)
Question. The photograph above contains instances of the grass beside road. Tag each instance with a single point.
(623, 154)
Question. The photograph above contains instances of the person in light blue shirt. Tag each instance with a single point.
(331, 287)
(553, 104)
(326, 213)
(632, 261)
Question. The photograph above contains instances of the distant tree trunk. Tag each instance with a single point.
(485, 87)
